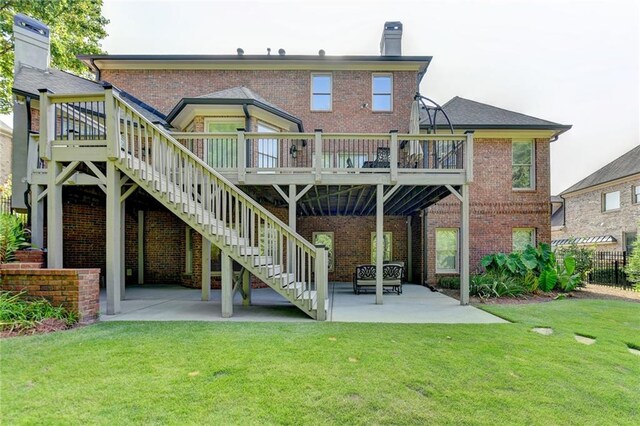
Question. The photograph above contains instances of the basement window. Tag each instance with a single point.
(387, 247)
(446, 250)
(321, 92)
(326, 239)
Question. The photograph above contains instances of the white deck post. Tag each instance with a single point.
(54, 216)
(246, 287)
(37, 217)
(409, 249)
(464, 258)
(227, 285)
(140, 246)
(123, 227)
(322, 282)
(379, 241)
(206, 270)
(114, 218)
(291, 249)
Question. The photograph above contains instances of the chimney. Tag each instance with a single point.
(31, 43)
(391, 42)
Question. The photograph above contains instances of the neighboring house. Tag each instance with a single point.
(223, 150)
(603, 209)
(5, 152)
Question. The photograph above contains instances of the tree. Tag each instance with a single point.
(77, 26)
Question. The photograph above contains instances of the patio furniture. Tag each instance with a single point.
(364, 277)
(382, 161)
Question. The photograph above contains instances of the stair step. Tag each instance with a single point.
(272, 270)
(296, 287)
(235, 241)
(284, 279)
(249, 251)
(262, 260)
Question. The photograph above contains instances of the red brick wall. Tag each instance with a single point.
(164, 247)
(352, 239)
(288, 89)
(78, 290)
(495, 207)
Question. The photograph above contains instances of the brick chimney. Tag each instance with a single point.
(31, 43)
(391, 42)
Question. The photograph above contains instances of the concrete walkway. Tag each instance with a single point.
(417, 304)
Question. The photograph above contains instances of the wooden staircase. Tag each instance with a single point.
(217, 209)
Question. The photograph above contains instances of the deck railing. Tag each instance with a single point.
(321, 153)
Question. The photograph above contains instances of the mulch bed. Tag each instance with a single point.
(590, 291)
(48, 325)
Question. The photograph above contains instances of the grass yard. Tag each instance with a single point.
(332, 373)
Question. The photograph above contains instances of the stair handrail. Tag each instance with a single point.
(237, 191)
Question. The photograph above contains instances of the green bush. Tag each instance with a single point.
(19, 313)
(451, 282)
(582, 255)
(12, 237)
(633, 267)
(496, 284)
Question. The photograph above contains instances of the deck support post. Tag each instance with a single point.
(464, 237)
(114, 235)
(409, 249)
(37, 216)
(122, 250)
(291, 249)
(227, 285)
(379, 241)
(140, 246)
(54, 216)
(246, 287)
(206, 270)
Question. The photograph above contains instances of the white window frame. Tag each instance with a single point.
(374, 246)
(331, 250)
(604, 202)
(322, 74)
(635, 194)
(456, 269)
(532, 167)
(523, 228)
(373, 94)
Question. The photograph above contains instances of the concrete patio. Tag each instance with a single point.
(416, 304)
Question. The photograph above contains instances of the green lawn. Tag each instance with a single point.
(324, 373)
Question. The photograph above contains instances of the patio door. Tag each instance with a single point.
(222, 153)
(268, 150)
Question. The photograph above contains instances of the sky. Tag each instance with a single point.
(568, 61)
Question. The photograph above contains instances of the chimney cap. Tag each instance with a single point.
(31, 24)
(393, 25)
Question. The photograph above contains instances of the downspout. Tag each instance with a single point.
(96, 69)
(247, 122)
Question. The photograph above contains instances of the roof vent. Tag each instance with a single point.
(321, 52)
(240, 51)
(281, 52)
(391, 42)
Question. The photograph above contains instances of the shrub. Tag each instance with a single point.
(12, 237)
(452, 283)
(582, 255)
(633, 268)
(496, 284)
(19, 313)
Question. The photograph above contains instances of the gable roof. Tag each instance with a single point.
(626, 165)
(468, 114)
(239, 95)
(28, 81)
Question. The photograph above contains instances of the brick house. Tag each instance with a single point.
(228, 170)
(603, 209)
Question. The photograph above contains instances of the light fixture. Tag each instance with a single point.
(293, 151)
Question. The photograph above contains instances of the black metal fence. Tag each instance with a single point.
(608, 268)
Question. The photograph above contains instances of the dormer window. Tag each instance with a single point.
(382, 92)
